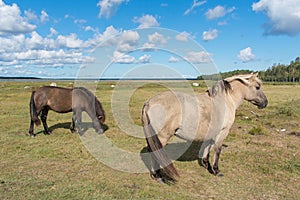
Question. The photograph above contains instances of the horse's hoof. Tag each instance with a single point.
(219, 174)
(100, 131)
(47, 132)
(160, 180)
(32, 135)
(80, 133)
(73, 130)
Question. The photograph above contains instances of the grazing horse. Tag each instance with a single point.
(205, 118)
(63, 100)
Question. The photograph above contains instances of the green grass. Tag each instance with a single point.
(261, 159)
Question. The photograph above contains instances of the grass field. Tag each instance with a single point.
(261, 159)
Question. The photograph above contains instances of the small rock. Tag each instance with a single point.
(195, 84)
(53, 84)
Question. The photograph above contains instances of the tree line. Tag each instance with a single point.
(276, 73)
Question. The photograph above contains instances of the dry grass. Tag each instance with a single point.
(261, 160)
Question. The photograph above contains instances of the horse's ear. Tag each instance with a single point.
(253, 77)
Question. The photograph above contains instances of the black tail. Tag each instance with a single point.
(155, 147)
(33, 113)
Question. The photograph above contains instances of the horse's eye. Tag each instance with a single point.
(257, 87)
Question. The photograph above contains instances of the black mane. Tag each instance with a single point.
(220, 86)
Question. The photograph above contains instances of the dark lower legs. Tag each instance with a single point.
(216, 161)
(204, 159)
(44, 120)
(155, 171)
(76, 117)
(44, 114)
(31, 128)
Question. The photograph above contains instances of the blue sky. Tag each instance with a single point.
(66, 38)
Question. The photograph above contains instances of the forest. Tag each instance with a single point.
(276, 73)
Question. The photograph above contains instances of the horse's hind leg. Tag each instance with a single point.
(155, 171)
(78, 116)
(44, 120)
(31, 128)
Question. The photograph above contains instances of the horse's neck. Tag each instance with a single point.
(236, 96)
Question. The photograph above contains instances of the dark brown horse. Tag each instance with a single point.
(64, 100)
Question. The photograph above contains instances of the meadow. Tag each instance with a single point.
(260, 160)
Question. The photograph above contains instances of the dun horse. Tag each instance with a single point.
(63, 100)
(204, 118)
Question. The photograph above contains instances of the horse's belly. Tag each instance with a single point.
(192, 133)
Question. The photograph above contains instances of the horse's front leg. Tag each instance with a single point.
(204, 156)
(72, 126)
(79, 120)
(218, 148)
(44, 120)
(216, 170)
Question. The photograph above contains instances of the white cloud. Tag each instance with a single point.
(107, 38)
(109, 7)
(30, 15)
(128, 41)
(11, 20)
(210, 35)
(52, 32)
(148, 46)
(183, 36)
(44, 16)
(217, 12)
(80, 21)
(284, 16)
(146, 21)
(246, 55)
(122, 58)
(155, 41)
(89, 28)
(198, 57)
(173, 59)
(12, 43)
(35, 42)
(195, 4)
(45, 57)
(69, 41)
(144, 59)
(157, 38)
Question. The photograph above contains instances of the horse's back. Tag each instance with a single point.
(171, 112)
(55, 98)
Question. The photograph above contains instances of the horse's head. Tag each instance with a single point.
(100, 113)
(250, 89)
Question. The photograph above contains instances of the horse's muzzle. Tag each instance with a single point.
(263, 104)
